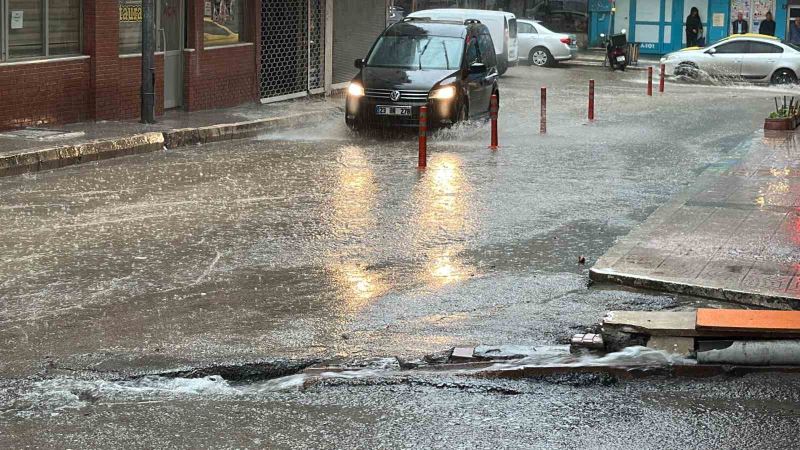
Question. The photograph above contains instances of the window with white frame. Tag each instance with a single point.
(39, 29)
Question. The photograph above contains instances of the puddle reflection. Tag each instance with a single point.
(358, 285)
(443, 196)
(354, 215)
(354, 194)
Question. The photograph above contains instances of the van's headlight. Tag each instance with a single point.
(355, 90)
(444, 93)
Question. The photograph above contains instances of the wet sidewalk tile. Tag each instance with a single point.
(734, 235)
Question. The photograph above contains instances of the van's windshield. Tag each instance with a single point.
(417, 52)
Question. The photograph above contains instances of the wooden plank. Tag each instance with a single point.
(748, 320)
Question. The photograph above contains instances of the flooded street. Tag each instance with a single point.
(316, 243)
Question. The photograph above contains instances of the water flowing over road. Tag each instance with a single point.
(316, 243)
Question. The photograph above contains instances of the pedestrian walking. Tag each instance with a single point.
(767, 25)
(794, 31)
(694, 27)
(740, 26)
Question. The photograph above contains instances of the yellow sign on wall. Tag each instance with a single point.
(130, 13)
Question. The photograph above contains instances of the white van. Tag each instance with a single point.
(502, 25)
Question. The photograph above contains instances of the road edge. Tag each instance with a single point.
(68, 155)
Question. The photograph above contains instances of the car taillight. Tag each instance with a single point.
(566, 40)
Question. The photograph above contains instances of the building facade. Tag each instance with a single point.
(564, 16)
(74, 60)
(659, 25)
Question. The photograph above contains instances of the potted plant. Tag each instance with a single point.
(785, 117)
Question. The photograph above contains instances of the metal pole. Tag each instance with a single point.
(423, 137)
(493, 110)
(650, 81)
(591, 99)
(148, 93)
(543, 117)
(661, 80)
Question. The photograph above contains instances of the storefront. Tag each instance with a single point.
(659, 25)
(74, 60)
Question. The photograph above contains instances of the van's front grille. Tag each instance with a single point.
(405, 96)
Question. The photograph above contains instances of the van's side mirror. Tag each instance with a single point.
(359, 63)
(711, 51)
(477, 67)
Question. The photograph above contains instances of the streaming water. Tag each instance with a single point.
(53, 396)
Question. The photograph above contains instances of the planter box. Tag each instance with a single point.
(781, 124)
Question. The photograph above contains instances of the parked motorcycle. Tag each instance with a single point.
(616, 50)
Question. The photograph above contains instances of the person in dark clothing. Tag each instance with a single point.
(767, 25)
(740, 25)
(794, 31)
(694, 27)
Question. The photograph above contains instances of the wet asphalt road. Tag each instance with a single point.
(317, 243)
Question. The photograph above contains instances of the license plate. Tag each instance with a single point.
(393, 111)
(620, 59)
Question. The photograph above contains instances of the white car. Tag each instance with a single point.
(752, 57)
(543, 47)
(502, 26)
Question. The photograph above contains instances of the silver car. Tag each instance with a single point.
(543, 47)
(749, 57)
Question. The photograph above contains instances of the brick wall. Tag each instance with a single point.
(106, 87)
(44, 93)
(221, 77)
(128, 83)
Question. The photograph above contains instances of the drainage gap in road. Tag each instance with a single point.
(245, 372)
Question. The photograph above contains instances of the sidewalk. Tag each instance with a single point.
(48, 147)
(595, 58)
(734, 235)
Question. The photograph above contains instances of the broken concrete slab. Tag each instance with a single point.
(653, 323)
(503, 351)
(462, 354)
(683, 346)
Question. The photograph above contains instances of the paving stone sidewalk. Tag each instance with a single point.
(734, 235)
(595, 58)
(51, 146)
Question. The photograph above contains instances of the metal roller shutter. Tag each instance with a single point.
(292, 42)
(356, 24)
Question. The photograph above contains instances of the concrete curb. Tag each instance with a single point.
(67, 155)
(719, 293)
(224, 132)
(599, 63)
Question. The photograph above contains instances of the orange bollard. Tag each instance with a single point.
(493, 110)
(543, 117)
(423, 137)
(661, 80)
(650, 80)
(591, 99)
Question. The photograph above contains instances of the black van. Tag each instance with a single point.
(449, 66)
